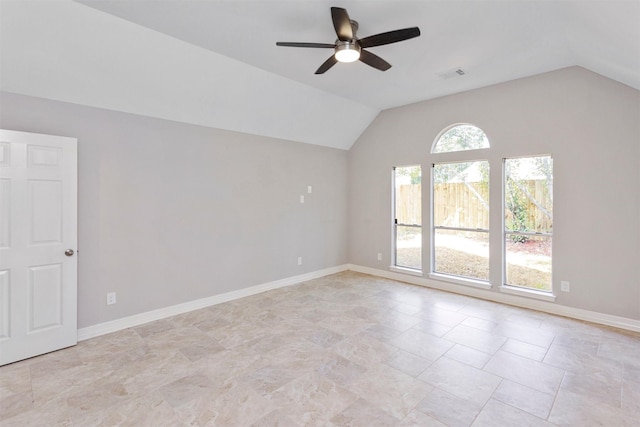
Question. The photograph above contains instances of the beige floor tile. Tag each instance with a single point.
(571, 409)
(324, 337)
(524, 349)
(54, 364)
(346, 349)
(232, 404)
(14, 379)
(432, 328)
(146, 410)
(74, 381)
(475, 322)
(382, 333)
(480, 340)
(535, 336)
(408, 363)
(15, 404)
(438, 314)
(449, 409)
(312, 399)
(267, 379)
(626, 352)
(391, 390)
(423, 345)
(461, 380)
(204, 347)
(55, 412)
(525, 371)
(581, 362)
(630, 399)
(599, 386)
(96, 399)
(276, 418)
(149, 373)
(346, 326)
(526, 318)
(363, 413)
(484, 310)
(496, 413)
(341, 370)
(364, 350)
(468, 355)
(524, 398)
(408, 309)
(185, 389)
(152, 328)
(419, 419)
(586, 341)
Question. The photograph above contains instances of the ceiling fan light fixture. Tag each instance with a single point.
(347, 51)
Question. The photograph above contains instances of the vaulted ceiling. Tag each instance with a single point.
(215, 63)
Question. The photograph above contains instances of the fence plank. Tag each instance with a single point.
(455, 205)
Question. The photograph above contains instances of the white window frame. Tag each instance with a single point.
(510, 288)
(394, 234)
(462, 280)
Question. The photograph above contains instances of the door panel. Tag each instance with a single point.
(45, 209)
(44, 298)
(43, 156)
(38, 222)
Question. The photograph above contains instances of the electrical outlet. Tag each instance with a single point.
(309, 189)
(379, 256)
(299, 260)
(111, 298)
(564, 286)
(301, 199)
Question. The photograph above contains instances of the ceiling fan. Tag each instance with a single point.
(349, 48)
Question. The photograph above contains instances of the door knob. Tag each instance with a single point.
(69, 252)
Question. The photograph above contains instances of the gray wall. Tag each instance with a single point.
(591, 126)
(169, 212)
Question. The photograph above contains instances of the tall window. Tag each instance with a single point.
(408, 217)
(528, 222)
(461, 219)
(460, 201)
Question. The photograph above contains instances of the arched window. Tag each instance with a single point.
(460, 216)
(460, 203)
(460, 137)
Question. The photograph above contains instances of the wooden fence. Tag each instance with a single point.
(466, 205)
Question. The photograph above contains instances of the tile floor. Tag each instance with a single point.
(344, 350)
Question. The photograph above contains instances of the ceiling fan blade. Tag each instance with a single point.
(295, 44)
(390, 37)
(374, 60)
(342, 23)
(327, 64)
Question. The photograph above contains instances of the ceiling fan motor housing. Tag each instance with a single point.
(347, 51)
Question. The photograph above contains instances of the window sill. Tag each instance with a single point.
(529, 293)
(460, 281)
(404, 270)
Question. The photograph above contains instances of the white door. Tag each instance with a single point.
(38, 224)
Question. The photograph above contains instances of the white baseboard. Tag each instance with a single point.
(547, 307)
(162, 313)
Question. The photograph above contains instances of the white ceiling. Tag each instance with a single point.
(215, 63)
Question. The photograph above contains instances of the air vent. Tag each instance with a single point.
(449, 74)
